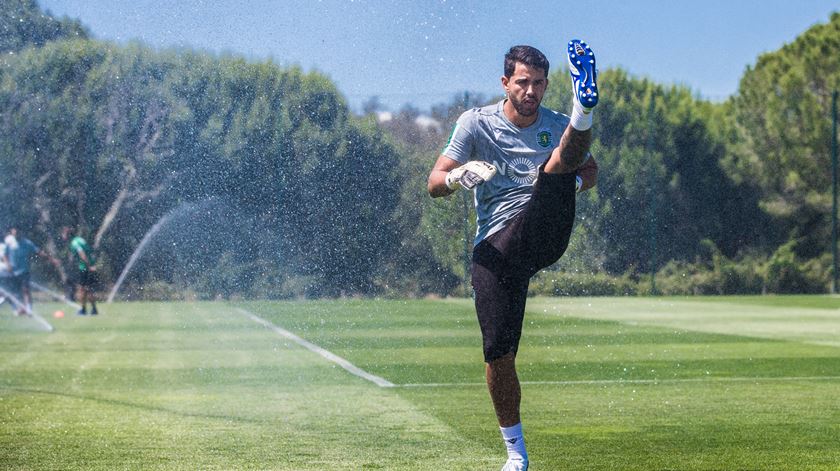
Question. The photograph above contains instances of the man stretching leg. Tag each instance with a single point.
(525, 164)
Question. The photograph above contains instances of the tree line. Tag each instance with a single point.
(274, 188)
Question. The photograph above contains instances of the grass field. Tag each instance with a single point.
(608, 383)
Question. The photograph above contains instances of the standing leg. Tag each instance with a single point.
(82, 292)
(500, 295)
(503, 384)
(26, 294)
(92, 298)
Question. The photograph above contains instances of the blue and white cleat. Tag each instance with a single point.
(582, 69)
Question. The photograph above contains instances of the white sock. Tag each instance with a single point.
(580, 119)
(514, 442)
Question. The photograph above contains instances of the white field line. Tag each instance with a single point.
(721, 379)
(351, 368)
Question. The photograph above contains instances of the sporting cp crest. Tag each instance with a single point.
(544, 138)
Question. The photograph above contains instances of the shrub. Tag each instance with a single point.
(559, 283)
(787, 275)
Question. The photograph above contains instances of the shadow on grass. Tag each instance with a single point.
(135, 405)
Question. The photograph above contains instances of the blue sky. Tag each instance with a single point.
(426, 52)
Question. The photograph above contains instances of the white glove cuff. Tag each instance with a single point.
(452, 181)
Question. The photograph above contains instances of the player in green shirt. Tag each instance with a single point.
(85, 259)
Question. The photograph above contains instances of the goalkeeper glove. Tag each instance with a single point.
(470, 175)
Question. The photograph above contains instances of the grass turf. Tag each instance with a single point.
(608, 383)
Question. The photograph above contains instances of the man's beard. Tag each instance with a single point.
(524, 109)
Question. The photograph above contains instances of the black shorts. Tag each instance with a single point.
(21, 282)
(88, 278)
(8, 283)
(504, 263)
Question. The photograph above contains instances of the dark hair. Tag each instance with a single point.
(527, 55)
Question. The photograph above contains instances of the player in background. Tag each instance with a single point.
(5, 271)
(85, 260)
(525, 164)
(19, 251)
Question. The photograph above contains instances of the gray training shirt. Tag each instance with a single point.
(486, 134)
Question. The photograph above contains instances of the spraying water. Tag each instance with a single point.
(54, 294)
(182, 209)
(18, 304)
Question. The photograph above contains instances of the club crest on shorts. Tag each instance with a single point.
(544, 138)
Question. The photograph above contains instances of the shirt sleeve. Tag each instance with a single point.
(461, 142)
(72, 247)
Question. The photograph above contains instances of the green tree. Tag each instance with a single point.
(660, 177)
(23, 24)
(113, 138)
(781, 137)
(85, 133)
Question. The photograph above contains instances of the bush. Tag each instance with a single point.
(714, 274)
(682, 278)
(724, 276)
(157, 291)
(559, 283)
(787, 275)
